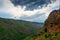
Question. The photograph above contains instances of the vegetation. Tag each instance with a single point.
(44, 36)
(17, 29)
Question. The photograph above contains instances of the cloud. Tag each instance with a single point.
(31, 4)
(19, 12)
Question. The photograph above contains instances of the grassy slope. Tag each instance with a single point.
(44, 36)
(16, 29)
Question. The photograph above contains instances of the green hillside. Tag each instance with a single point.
(44, 36)
(17, 29)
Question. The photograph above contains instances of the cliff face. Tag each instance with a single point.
(53, 22)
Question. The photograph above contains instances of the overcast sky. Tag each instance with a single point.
(29, 10)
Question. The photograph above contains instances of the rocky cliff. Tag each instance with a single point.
(53, 21)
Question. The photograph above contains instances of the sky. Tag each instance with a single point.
(28, 10)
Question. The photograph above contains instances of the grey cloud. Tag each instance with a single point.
(31, 4)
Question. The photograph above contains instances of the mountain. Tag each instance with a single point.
(50, 30)
(11, 29)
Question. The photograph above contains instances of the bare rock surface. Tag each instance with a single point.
(53, 21)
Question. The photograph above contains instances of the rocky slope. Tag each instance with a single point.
(53, 22)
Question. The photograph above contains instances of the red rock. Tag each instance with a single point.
(53, 22)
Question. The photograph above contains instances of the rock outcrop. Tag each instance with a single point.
(53, 22)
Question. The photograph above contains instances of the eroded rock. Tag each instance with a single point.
(53, 21)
